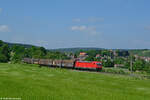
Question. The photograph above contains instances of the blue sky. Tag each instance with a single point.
(76, 23)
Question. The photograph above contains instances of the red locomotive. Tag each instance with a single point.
(88, 65)
(66, 63)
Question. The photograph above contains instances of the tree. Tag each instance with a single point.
(105, 53)
(119, 60)
(4, 53)
(43, 50)
(36, 52)
(1, 43)
(122, 53)
(138, 65)
(108, 63)
(17, 53)
(89, 58)
(56, 55)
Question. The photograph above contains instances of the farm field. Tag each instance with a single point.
(29, 82)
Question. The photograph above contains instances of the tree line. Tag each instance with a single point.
(16, 53)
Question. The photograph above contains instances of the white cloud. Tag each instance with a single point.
(84, 28)
(4, 28)
(0, 10)
(79, 28)
(87, 29)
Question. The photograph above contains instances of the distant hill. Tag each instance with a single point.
(75, 49)
(139, 52)
(25, 45)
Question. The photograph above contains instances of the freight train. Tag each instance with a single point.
(74, 64)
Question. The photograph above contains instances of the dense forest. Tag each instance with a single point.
(73, 50)
(14, 53)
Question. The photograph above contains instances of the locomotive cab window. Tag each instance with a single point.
(99, 64)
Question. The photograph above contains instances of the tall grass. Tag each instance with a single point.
(30, 82)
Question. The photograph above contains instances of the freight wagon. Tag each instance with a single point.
(74, 64)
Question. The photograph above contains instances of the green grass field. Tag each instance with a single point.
(30, 82)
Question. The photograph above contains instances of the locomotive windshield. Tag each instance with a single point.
(99, 64)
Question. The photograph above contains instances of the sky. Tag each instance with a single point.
(112, 24)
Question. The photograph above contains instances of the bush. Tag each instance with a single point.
(114, 71)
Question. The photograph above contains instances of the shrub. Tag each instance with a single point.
(115, 71)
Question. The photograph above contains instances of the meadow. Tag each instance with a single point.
(30, 82)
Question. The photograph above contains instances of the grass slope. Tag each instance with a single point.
(33, 83)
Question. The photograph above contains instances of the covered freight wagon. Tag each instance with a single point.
(66, 63)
